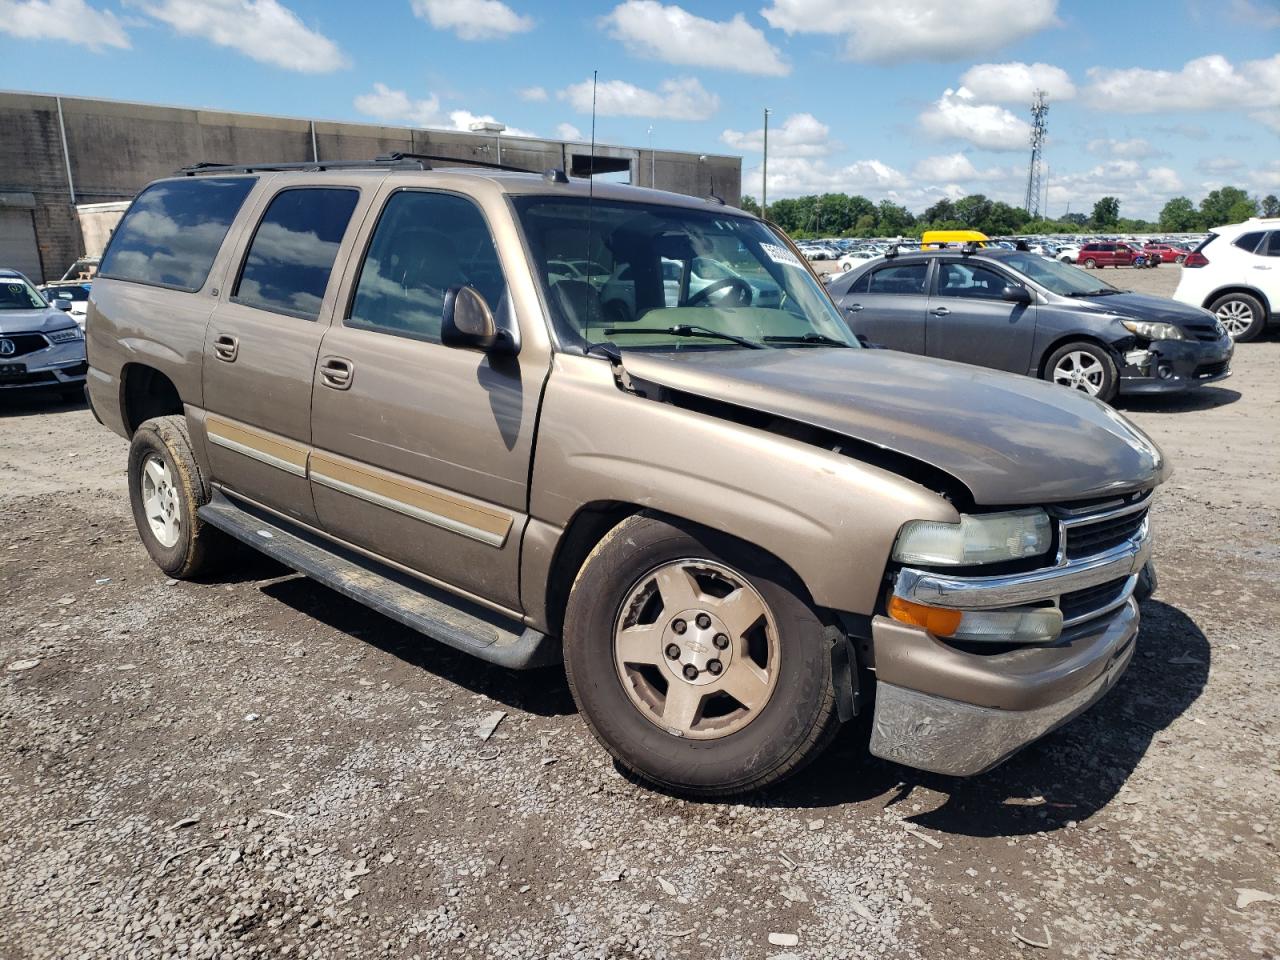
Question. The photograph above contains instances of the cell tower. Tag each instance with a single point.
(1039, 107)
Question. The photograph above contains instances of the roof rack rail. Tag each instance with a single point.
(207, 166)
(891, 252)
(428, 158)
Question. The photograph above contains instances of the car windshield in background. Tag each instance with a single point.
(17, 294)
(1056, 277)
(670, 278)
(76, 294)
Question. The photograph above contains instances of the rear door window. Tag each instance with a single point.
(899, 278)
(1248, 242)
(171, 234)
(1272, 247)
(293, 249)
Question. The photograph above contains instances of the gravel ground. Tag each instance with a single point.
(256, 766)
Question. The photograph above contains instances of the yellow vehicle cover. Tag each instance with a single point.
(944, 238)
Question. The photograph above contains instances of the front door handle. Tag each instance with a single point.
(940, 311)
(853, 308)
(336, 372)
(226, 347)
(1259, 266)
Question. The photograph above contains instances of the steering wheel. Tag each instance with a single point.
(742, 291)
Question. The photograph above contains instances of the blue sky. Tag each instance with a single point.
(908, 99)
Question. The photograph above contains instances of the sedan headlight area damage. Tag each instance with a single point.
(976, 539)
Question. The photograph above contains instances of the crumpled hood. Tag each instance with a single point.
(1009, 439)
(1141, 306)
(33, 321)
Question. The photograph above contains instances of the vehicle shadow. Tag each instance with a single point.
(543, 692)
(1066, 777)
(1207, 398)
(32, 403)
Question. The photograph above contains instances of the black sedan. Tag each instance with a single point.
(1017, 311)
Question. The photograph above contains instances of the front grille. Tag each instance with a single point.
(1077, 607)
(1204, 332)
(24, 343)
(1090, 538)
(1211, 369)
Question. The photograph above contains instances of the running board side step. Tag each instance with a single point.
(440, 615)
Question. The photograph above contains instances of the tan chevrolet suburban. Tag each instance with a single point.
(734, 525)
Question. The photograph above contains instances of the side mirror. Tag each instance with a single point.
(1016, 293)
(468, 322)
(62, 304)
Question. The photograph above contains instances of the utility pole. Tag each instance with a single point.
(653, 162)
(1039, 108)
(764, 177)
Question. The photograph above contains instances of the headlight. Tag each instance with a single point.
(977, 538)
(1152, 331)
(65, 336)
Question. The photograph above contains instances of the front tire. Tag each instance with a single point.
(1242, 314)
(166, 489)
(697, 661)
(1086, 367)
(1090, 263)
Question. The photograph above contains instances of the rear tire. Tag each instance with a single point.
(1090, 263)
(1242, 314)
(166, 488)
(1086, 367)
(632, 607)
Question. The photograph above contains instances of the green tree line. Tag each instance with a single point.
(844, 215)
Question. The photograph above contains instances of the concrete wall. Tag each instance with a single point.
(117, 148)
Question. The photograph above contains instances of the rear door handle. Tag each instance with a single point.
(226, 347)
(940, 311)
(853, 308)
(336, 372)
(1259, 266)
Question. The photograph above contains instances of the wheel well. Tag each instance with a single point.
(146, 393)
(1239, 288)
(589, 526)
(1071, 338)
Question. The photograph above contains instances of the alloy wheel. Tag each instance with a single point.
(1236, 316)
(1080, 371)
(160, 501)
(696, 649)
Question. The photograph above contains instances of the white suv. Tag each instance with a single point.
(1235, 273)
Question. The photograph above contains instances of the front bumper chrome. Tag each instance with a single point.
(928, 730)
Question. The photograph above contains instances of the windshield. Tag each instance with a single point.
(17, 294)
(671, 278)
(1057, 277)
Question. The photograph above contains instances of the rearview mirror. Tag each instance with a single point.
(468, 322)
(1016, 293)
(62, 304)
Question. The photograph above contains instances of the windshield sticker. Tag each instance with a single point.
(781, 255)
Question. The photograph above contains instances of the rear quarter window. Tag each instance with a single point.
(171, 234)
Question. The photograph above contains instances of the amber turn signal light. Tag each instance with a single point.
(939, 622)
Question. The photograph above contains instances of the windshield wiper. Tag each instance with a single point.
(810, 337)
(689, 330)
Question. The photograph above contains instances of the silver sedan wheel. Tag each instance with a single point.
(1236, 316)
(696, 649)
(1080, 371)
(160, 501)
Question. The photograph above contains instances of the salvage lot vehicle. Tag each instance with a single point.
(736, 527)
(41, 345)
(1017, 311)
(1239, 279)
(1100, 255)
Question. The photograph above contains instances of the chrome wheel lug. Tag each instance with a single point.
(679, 626)
(703, 621)
(714, 667)
(721, 641)
(690, 672)
(673, 652)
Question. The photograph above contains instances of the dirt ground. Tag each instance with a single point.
(258, 767)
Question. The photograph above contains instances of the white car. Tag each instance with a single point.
(1235, 273)
(1068, 253)
(855, 258)
(75, 293)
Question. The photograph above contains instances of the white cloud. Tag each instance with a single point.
(396, 106)
(800, 135)
(1206, 83)
(1217, 165)
(1268, 118)
(884, 31)
(797, 176)
(1134, 149)
(1142, 190)
(1017, 82)
(955, 168)
(263, 30)
(473, 19)
(68, 21)
(683, 98)
(673, 35)
(958, 116)
(567, 131)
(533, 94)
